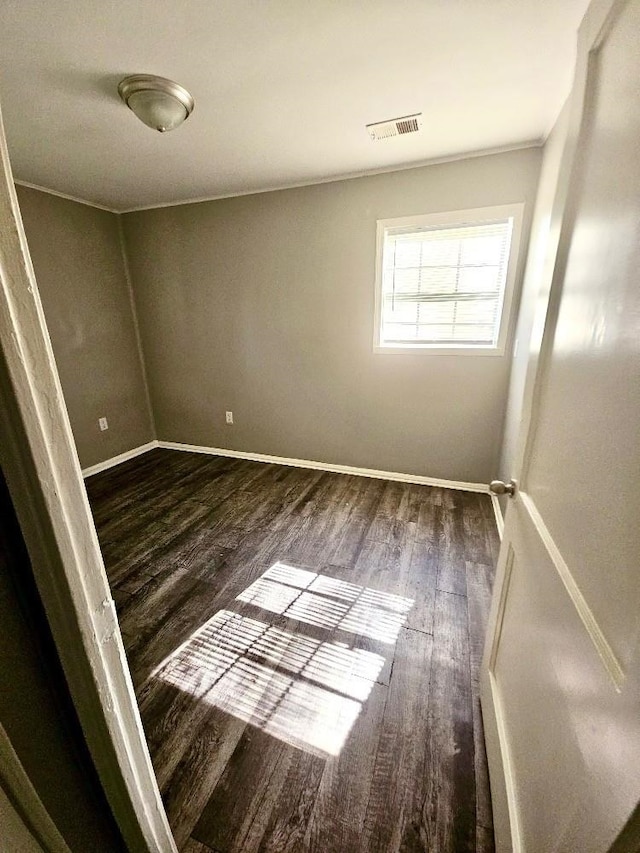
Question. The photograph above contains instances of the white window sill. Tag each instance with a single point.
(412, 349)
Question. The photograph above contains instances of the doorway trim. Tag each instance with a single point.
(40, 462)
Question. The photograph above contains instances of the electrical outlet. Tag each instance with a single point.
(229, 417)
(102, 423)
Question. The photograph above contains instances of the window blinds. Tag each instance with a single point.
(444, 286)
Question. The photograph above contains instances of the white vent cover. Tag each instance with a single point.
(395, 127)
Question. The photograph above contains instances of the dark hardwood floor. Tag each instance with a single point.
(305, 649)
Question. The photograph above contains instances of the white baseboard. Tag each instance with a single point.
(295, 463)
(497, 511)
(116, 460)
(325, 466)
(506, 822)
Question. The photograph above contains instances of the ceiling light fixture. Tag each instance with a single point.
(158, 102)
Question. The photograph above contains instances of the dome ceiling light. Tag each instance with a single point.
(158, 102)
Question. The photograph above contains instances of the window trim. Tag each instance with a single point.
(471, 216)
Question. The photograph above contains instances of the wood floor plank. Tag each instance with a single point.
(270, 614)
(382, 528)
(450, 803)
(193, 846)
(381, 565)
(391, 501)
(180, 619)
(364, 494)
(418, 583)
(171, 585)
(338, 818)
(122, 552)
(245, 814)
(165, 478)
(350, 541)
(484, 813)
(189, 788)
(429, 523)
(169, 718)
(394, 814)
(296, 780)
(227, 818)
(452, 533)
(451, 572)
(477, 546)
(479, 584)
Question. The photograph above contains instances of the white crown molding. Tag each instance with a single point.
(65, 196)
(347, 176)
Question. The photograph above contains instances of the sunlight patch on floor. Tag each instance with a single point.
(328, 603)
(303, 690)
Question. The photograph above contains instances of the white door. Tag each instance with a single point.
(561, 672)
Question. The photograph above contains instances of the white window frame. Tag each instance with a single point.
(473, 216)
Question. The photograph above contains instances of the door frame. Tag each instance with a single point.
(40, 462)
(598, 19)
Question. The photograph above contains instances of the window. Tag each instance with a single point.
(444, 281)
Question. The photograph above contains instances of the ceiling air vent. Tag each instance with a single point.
(395, 127)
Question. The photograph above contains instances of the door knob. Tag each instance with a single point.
(500, 488)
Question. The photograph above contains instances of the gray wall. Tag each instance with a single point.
(16, 836)
(36, 708)
(264, 305)
(78, 261)
(543, 244)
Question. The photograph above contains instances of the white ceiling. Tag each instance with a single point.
(283, 88)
